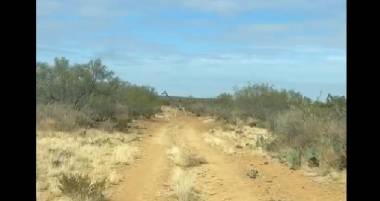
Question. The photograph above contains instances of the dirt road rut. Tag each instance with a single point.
(223, 178)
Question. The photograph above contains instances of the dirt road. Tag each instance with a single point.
(222, 178)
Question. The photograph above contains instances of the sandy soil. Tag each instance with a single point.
(222, 178)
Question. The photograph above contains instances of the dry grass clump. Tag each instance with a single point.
(195, 160)
(185, 158)
(233, 138)
(96, 154)
(183, 177)
(183, 183)
(81, 188)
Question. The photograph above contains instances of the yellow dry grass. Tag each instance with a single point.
(184, 158)
(183, 177)
(183, 183)
(96, 153)
(232, 139)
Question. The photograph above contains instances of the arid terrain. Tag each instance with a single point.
(179, 156)
(183, 159)
(191, 100)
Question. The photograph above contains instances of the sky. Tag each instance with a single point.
(202, 47)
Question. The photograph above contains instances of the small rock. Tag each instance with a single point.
(252, 173)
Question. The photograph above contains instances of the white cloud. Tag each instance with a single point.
(83, 8)
(325, 32)
(233, 6)
(197, 47)
(92, 8)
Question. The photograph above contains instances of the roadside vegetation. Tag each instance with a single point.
(183, 177)
(89, 95)
(306, 132)
(79, 159)
(86, 128)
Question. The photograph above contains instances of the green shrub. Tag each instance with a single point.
(317, 130)
(318, 138)
(293, 158)
(89, 95)
(312, 156)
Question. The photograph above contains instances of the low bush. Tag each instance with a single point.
(317, 130)
(89, 95)
(293, 157)
(61, 117)
(81, 188)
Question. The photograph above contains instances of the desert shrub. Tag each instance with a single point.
(221, 107)
(108, 125)
(80, 188)
(316, 129)
(101, 107)
(293, 158)
(319, 135)
(312, 156)
(198, 107)
(262, 142)
(88, 94)
(141, 101)
(333, 148)
(258, 101)
(61, 117)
